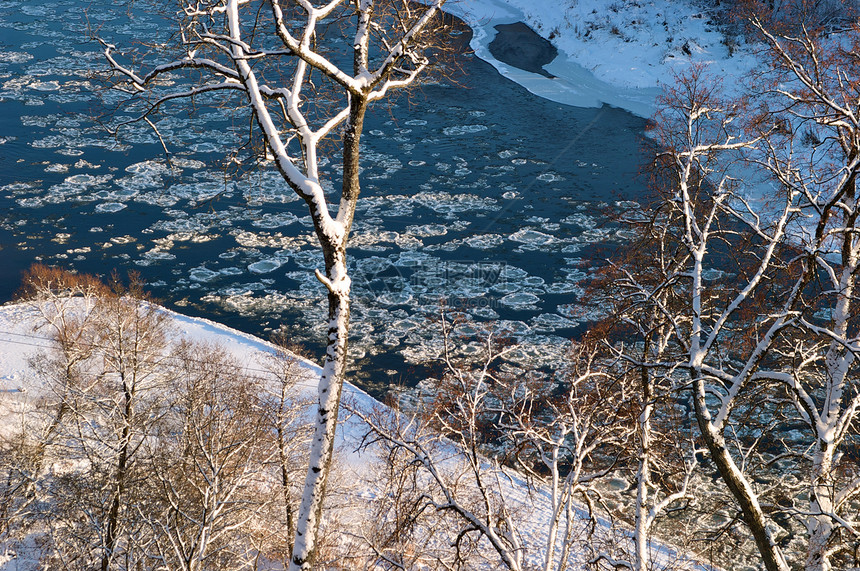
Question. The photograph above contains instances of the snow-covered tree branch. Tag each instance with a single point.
(303, 77)
(754, 299)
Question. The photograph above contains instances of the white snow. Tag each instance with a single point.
(19, 342)
(616, 52)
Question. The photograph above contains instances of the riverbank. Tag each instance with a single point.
(615, 53)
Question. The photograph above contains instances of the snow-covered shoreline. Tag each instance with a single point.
(615, 53)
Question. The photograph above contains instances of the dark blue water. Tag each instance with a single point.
(480, 194)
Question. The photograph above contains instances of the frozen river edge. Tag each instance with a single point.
(570, 84)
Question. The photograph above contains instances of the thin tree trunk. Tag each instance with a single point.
(334, 368)
(820, 528)
(121, 473)
(837, 363)
(322, 445)
(285, 478)
(733, 477)
(643, 476)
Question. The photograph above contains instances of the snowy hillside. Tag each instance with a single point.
(619, 53)
(359, 492)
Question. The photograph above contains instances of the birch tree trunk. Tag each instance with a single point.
(226, 46)
(780, 338)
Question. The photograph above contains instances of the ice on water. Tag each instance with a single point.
(264, 266)
(110, 207)
(463, 130)
(485, 241)
(15, 57)
(533, 237)
(457, 230)
(520, 300)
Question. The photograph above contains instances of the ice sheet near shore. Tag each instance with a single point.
(617, 53)
(623, 54)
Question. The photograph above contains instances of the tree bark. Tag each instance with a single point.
(120, 477)
(334, 367)
(643, 477)
(751, 510)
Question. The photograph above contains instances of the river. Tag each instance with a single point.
(475, 191)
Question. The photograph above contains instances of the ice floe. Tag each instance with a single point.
(533, 237)
(520, 300)
(110, 207)
(463, 130)
(264, 266)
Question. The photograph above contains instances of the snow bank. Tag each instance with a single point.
(19, 342)
(611, 52)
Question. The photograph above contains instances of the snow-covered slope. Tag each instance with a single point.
(614, 52)
(357, 466)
